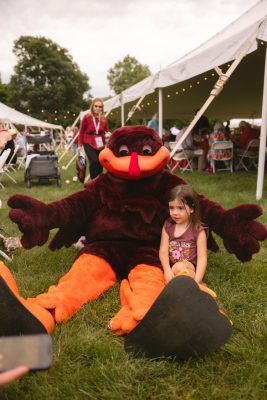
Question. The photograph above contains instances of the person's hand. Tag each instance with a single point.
(12, 375)
(168, 275)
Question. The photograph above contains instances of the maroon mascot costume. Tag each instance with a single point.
(121, 214)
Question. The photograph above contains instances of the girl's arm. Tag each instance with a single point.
(164, 256)
(201, 256)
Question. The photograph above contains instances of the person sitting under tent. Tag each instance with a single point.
(245, 135)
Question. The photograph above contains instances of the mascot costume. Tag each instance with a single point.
(121, 214)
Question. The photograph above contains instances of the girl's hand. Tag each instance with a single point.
(168, 275)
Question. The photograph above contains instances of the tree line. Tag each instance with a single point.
(49, 85)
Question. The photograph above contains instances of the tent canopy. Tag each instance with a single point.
(187, 82)
(10, 115)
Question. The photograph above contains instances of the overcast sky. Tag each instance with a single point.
(98, 33)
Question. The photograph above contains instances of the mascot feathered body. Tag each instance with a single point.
(121, 214)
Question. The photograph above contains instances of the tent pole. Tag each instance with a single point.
(160, 112)
(122, 110)
(262, 149)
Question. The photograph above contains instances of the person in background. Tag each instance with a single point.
(5, 136)
(246, 134)
(75, 143)
(92, 135)
(201, 133)
(218, 134)
(20, 141)
(7, 142)
(153, 123)
(227, 130)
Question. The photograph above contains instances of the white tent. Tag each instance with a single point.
(236, 53)
(10, 115)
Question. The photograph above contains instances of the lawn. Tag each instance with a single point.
(90, 361)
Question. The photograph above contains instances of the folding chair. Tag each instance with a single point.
(182, 158)
(249, 155)
(3, 159)
(10, 164)
(224, 155)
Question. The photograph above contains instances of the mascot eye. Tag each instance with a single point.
(123, 151)
(147, 150)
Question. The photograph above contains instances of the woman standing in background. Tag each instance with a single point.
(92, 135)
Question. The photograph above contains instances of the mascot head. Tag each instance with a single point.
(134, 152)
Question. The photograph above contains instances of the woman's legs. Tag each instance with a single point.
(95, 167)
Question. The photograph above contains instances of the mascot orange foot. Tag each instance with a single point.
(121, 214)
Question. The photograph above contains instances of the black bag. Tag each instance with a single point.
(81, 167)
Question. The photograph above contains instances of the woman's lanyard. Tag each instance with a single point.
(96, 125)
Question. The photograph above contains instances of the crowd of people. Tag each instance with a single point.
(203, 136)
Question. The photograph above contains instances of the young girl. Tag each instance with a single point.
(183, 246)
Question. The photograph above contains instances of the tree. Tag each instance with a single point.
(4, 92)
(47, 82)
(126, 73)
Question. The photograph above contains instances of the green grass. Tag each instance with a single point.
(90, 362)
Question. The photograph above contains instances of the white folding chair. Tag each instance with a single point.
(225, 147)
(3, 159)
(10, 164)
(179, 156)
(248, 157)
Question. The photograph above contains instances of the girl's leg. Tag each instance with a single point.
(182, 267)
(95, 167)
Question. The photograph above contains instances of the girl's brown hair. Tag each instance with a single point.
(91, 111)
(188, 196)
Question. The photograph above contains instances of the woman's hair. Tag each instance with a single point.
(91, 112)
(188, 197)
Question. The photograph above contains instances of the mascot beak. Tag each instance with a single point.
(134, 166)
(134, 169)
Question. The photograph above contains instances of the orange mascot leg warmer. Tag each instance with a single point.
(138, 293)
(40, 313)
(87, 279)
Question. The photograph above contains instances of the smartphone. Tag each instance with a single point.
(34, 351)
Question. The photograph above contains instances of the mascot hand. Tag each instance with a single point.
(240, 233)
(33, 219)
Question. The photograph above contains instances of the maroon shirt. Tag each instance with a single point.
(87, 132)
(183, 247)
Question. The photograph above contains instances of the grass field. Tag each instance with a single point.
(90, 362)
